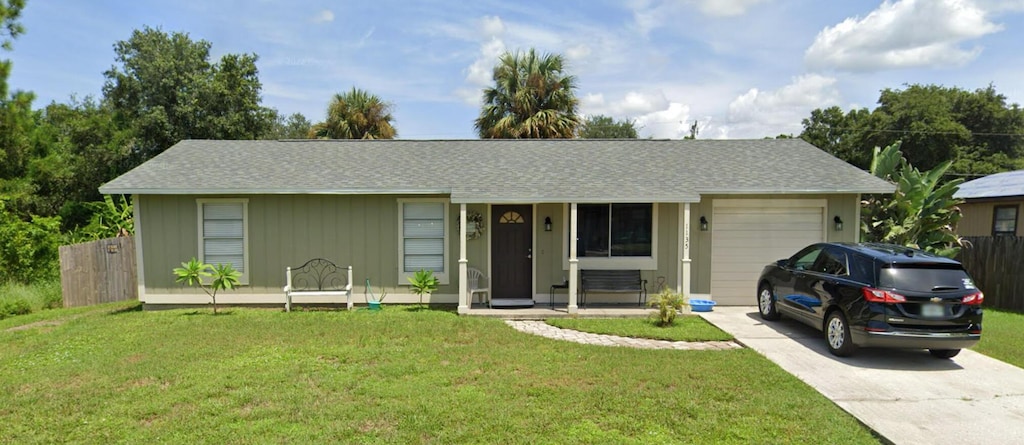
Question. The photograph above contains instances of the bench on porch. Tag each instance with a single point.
(627, 281)
(318, 277)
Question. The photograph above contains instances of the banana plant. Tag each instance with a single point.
(921, 213)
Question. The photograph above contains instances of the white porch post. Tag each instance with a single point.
(573, 261)
(464, 300)
(683, 284)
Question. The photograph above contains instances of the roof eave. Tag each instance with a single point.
(254, 191)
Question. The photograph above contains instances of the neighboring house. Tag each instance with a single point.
(699, 216)
(992, 205)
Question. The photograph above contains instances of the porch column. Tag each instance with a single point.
(683, 272)
(573, 261)
(464, 300)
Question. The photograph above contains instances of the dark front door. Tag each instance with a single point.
(511, 253)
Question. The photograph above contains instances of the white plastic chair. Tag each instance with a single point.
(474, 279)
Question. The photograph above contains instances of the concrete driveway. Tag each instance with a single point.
(906, 396)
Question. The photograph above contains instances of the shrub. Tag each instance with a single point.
(10, 307)
(28, 249)
(192, 272)
(668, 303)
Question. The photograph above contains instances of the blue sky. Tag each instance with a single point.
(741, 68)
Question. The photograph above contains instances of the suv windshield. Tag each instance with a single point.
(924, 277)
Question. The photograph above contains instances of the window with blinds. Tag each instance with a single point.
(223, 233)
(423, 241)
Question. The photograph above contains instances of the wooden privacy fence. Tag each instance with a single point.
(98, 272)
(997, 266)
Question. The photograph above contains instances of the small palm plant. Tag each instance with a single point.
(423, 282)
(192, 273)
(668, 303)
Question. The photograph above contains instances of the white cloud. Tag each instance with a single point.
(756, 114)
(633, 104)
(325, 16)
(492, 26)
(479, 74)
(577, 52)
(649, 15)
(1001, 5)
(907, 33)
(673, 122)
(726, 8)
(653, 114)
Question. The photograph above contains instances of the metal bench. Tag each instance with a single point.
(318, 277)
(613, 281)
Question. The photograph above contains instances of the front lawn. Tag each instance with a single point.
(1002, 337)
(685, 328)
(398, 376)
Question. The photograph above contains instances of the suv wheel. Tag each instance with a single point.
(837, 335)
(766, 303)
(944, 353)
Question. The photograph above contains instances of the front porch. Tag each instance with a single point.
(543, 311)
(526, 256)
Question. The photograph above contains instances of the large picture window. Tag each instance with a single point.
(1004, 222)
(423, 242)
(222, 234)
(615, 230)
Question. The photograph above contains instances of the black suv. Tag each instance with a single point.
(875, 295)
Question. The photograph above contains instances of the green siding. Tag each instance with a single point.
(287, 230)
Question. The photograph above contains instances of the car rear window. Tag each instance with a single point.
(924, 277)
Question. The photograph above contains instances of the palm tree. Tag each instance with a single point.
(532, 98)
(356, 114)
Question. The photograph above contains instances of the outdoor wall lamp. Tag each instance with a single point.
(703, 224)
(839, 223)
(547, 223)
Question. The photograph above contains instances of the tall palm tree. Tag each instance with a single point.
(356, 114)
(532, 97)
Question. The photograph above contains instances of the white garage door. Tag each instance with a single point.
(746, 235)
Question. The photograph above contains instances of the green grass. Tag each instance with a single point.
(1002, 337)
(686, 328)
(113, 374)
(36, 297)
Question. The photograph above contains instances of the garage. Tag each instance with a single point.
(747, 234)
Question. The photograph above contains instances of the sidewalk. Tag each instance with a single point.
(906, 396)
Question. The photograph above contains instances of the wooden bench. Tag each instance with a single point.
(318, 277)
(613, 281)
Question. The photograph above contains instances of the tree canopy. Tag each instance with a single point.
(356, 114)
(605, 127)
(532, 97)
(976, 130)
(295, 126)
(165, 88)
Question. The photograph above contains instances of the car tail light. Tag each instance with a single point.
(973, 299)
(882, 296)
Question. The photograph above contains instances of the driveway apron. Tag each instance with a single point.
(906, 396)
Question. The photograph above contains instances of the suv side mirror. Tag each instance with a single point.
(783, 262)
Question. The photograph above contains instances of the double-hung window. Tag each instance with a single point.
(1004, 221)
(423, 238)
(223, 234)
(620, 235)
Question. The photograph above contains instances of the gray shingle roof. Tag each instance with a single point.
(578, 170)
(993, 186)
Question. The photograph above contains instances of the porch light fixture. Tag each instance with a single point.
(547, 223)
(838, 223)
(703, 224)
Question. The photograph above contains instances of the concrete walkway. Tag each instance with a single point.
(545, 330)
(907, 396)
